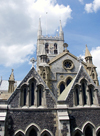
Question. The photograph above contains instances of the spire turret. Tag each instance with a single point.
(11, 82)
(61, 34)
(39, 29)
(88, 56)
(91, 69)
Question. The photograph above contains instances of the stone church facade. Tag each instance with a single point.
(60, 98)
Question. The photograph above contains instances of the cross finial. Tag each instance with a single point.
(12, 70)
(33, 61)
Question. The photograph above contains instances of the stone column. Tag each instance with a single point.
(88, 96)
(80, 98)
(35, 96)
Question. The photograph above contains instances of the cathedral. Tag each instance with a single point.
(61, 97)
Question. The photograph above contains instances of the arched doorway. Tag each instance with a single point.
(33, 132)
(88, 131)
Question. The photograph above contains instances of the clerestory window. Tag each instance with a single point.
(62, 87)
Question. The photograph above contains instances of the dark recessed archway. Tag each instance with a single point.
(33, 132)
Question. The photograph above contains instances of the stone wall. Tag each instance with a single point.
(80, 116)
(21, 119)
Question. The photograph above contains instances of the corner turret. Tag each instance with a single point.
(11, 82)
(44, 69)
(91, 69)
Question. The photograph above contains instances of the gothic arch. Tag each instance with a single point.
(34, 127)
(32, 79)
(40, 95)
(77, 130)
(68, 78)
(23, 85)
(59, 84)
(23, 94)
(19, 132)
(98, 131)
(83, 80)
(46, 132)
(89, 125)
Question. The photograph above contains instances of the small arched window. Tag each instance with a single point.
(91, 96)
(68, 81)
(43, 75)
(39, 97)
(32, 93)
(24, 103)
(84, 93)
(88, 131)
(77, 96)
(62, 87)
(55, 48)
(47, 47)
(93, 76)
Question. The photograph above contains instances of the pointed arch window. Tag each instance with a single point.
(77, 96)
(32, 93)
(24, 103)
(39, 97)
(62, 87)
(55, 48)
(47, 47)
(91, 95)
(88, 131)
(68, 81)
(84, 93)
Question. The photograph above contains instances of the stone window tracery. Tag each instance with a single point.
(68, 64)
